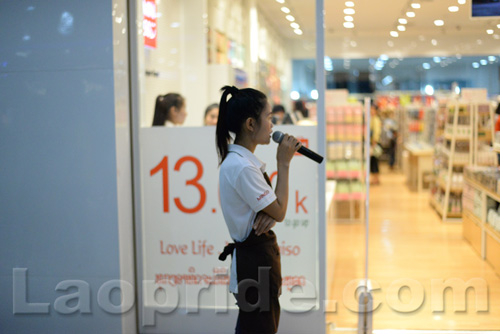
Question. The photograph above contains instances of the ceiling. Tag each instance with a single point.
(375, 19)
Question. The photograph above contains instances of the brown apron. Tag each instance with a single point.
(258, 269)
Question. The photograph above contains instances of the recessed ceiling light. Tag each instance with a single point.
(294, 25)
(401, 28)
(437, 60)
(490, 31)
(285, 10)
(348, 18)
(280, 1)
(348, 25)
(290, 18)
(434, 42)
(483, 62)
(349, 11)
(349, 4)
(403, 21)
(298, 31)
(475, 65)
(439, 23)
(415, 5)
(492, 58)
(394, 33)
(498, 26)
(426, 66)
(453, 9)
(410, 14)
(462, 2)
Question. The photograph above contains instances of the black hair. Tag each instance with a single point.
(233, 112)
(278, 108)
(163, 105)
(497, 111)
(300, 106)
(210, 107)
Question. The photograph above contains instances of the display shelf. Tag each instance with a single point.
(491, 231)
(480, 187)
(344, 134)
(472, 232)
(466, 124)
(454, 189)
(438, 206)
(483, 237)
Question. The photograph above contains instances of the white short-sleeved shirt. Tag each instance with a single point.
(243, 192)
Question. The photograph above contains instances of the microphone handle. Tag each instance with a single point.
(310, 154)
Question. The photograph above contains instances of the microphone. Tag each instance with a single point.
(278, 137)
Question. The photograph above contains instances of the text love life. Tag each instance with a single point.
(199, 248)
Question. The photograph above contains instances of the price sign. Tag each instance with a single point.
(183, 228)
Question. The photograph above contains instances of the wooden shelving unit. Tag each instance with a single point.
(483, 237)
(467, 125)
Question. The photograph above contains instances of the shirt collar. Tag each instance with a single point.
(245, 153)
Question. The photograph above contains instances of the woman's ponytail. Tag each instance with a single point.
(222, 135)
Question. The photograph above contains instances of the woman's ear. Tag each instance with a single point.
(250, 124)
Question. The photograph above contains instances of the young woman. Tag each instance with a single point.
(211, 114)
(170, 110)
(251, 207)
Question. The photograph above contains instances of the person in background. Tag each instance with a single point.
(211, 114)
(251, 207)
(375, 149)
(278, 113)
(300, 111)
(170, 110)
(390, 128)
(497, 128)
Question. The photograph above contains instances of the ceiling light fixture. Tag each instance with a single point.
(462, 2)
(348, 18)
(410, 14)
(415, 5)
(298, 31)
(483, 62)
(492, 58)
(426, 66)
(348, 25)
(394, 33)
(401, 28)
(475, 65)
(290, 18)
(439, 23)
(453, 9)
(434, 42)
(349, 4)
(490, 31)
(403, 21)
(285, 10)
(498, 26)
(349, 11)
(294, 25)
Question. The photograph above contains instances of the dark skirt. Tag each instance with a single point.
(374, 165)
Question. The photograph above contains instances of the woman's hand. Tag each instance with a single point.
(287, 148)
(263, 223)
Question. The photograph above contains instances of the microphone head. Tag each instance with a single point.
(278, 136)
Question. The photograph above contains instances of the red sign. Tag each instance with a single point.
(149, 23)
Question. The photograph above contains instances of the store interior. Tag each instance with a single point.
(432, 69)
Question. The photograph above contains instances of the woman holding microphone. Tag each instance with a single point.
(251, 207)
